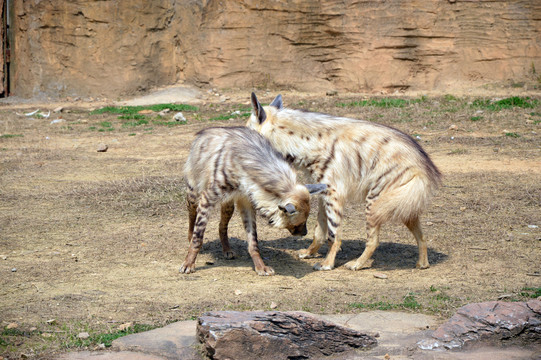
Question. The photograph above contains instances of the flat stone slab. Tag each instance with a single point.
(275, 335)
(174, 341)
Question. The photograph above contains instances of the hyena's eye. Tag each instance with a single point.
(271, 222)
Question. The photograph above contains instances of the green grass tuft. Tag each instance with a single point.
(132, 110)
(507, 103)
(382, 103)
(9, 136)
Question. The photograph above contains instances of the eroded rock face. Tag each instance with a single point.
(493, 321)
(113, 47)
(275, 335)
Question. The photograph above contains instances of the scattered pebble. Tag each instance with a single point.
(32, 329)
(332, 93)
(179, 117)
(429, 223)
(12, 326)
(533, 226)
(453, 127)
(462, 208)
(209, 262)
(58, 109)
(380, 276)
(273, 305)
(57, 121)
(163, 112)
(14, 270)
(102, 148)
(145, 112)
(3, 257)
(238, 292)
(83, 335)
(51, 321)
(452, 137)
(101, 346)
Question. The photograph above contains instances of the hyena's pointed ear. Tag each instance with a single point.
(288, 209)
(258, 109)
(277, 102)
(314, 189)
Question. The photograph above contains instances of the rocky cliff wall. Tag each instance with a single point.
(118, 47)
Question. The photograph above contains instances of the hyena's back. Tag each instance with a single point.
(363, 160)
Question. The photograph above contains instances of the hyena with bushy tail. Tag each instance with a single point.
(231, 165)
(358, 160)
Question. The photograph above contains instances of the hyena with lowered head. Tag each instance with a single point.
(231, 165)
(358, 160)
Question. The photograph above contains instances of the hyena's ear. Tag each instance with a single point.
(277, 102)
(314, 189)
(288, 209)
(258, 109)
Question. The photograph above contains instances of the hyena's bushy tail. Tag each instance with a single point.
(404, 203)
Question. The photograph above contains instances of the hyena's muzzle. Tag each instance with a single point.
(299, 230)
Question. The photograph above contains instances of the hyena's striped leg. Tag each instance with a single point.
(365, 260)
(227, 211)
(249, 220)
(333, 210)
(414, 226)
(372, 233)
(201, 220)
(320, 233)
(191, 202)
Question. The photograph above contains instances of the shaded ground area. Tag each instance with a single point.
(90, 241)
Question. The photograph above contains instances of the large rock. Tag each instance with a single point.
(113, 47)
(494, 321)
(275, 335)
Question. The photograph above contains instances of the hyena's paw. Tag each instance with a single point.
(229, 255)
(265, 271)
(305, 254)
(323, 267)
(187, 268)
(355, 265)
(422, 265)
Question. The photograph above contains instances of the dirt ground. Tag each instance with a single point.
(92, 240)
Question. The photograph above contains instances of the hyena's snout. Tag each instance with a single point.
(299, 230)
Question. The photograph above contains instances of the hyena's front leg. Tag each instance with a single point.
(333, 211)
(201, 220)
(227, 211)
(414, 226)
(320, 233)
(372, 234)
(249, 221)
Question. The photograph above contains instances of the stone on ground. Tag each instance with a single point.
(275, 335)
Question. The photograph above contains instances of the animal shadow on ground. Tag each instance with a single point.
(283, 262)
(280, 254)
(388, 255)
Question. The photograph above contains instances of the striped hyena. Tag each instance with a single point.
(237, 165)
(356, 160)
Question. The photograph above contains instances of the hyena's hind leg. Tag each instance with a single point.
(200, 223)
(414, 225)
(228, 208)
(191, 202)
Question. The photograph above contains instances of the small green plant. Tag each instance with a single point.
(409, 302)
(131, 110)
(139, 122)
(458, 152)
(531, 292)
(450, 98)
(507, 103)
(132, 117)
(476, 118)
(9, 136)
(234, 115)
(382, 103)
(512, 134)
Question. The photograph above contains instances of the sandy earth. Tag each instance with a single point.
(94, 240)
